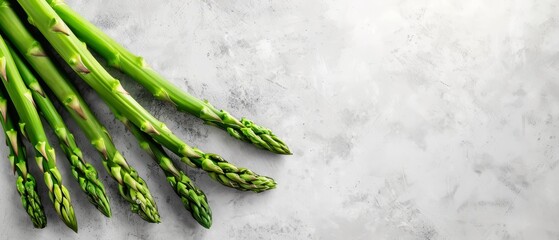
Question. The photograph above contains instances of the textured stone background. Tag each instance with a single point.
(408, 119)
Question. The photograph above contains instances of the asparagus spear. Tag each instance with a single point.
(117, 56)
(193, 199)
(74, 52)
(26, 184)
(131, 186)
(83, 172)
(33, 128)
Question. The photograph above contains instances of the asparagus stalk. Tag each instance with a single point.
(83, 172)
(74, 52)
(131, 186)
(45, 155)
(117, 56)
(193, 199)
(26, 184)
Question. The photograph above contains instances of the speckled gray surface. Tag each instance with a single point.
(408, 119)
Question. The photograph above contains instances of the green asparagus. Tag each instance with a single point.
(131, 186)
(83, 172)
(134, 66)
(45, 155)
(26, 184)
(26, 63)
(75, 54)
(193, 199)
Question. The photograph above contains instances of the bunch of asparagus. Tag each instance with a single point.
(31, 77)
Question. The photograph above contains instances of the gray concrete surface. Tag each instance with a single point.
(407, 119)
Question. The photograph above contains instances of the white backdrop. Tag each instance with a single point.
(408, 119)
